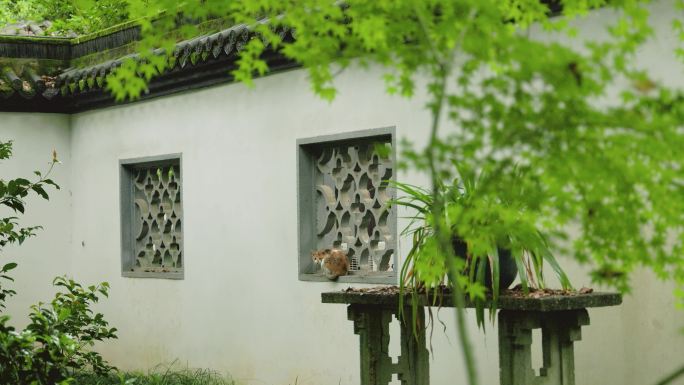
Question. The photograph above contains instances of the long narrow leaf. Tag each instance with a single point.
(517, 255)
(481, 265)
(494, 269)
(420, 209)
(564, 280)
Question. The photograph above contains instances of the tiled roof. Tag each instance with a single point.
(49, 82)
(28, 86)
(187, 54)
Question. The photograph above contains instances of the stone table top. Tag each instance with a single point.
(388, 296)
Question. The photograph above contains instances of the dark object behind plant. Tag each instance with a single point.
(507, 267)
(504, 230)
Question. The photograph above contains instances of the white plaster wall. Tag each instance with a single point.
(240, 308)
(45, 256)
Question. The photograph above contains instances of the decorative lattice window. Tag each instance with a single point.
(151, 217)
(343, 203)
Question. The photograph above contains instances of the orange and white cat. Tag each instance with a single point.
(334, 262)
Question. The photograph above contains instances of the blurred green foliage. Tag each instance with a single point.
(574, 138)
(67, 16)
(601, 177)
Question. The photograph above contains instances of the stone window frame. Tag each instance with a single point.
(127, 209)
(306, 194)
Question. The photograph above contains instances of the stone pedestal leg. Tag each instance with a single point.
(413, 365)
(371, 324)
(559, 332)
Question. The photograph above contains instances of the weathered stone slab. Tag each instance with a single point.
(547, 303)
(559, 314)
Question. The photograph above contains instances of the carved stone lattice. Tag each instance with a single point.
(351, 204)
(157, 219)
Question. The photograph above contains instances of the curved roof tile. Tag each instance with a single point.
(71, 82)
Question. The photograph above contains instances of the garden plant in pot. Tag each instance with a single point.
(492, 243)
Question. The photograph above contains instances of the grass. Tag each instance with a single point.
(159, 376)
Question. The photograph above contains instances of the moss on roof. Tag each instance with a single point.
(58, 70)
(35, 39)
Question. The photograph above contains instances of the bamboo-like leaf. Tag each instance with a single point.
(405, 270)
(481, 267)
(517, 255)
(495, 271)
(412, 190)
(538, 268)
(472, 265)
(564, 280)
(409, 204)
(531, 272)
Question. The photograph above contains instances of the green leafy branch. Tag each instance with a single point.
(12, 194)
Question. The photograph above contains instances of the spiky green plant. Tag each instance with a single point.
(484, 220)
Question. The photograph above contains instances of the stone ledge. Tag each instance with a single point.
(550, 303)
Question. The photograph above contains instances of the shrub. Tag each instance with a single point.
(55, 344)
(53, 347)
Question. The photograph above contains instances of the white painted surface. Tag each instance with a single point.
(41, 258)
(240, 308)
